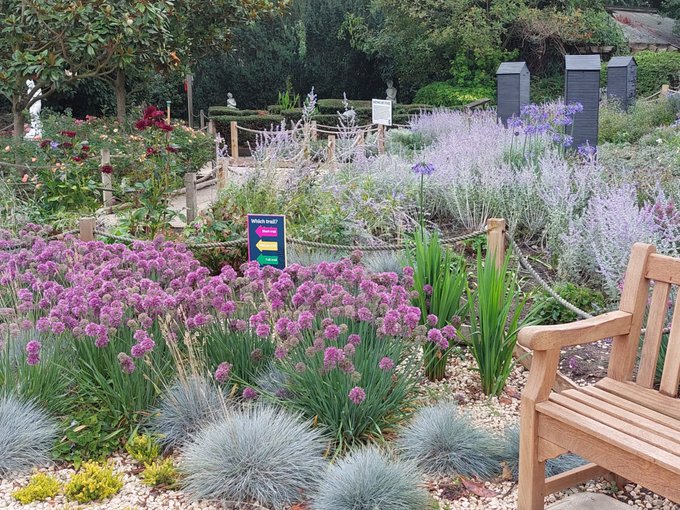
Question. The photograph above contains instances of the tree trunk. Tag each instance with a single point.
(18, 118)
(121, 97)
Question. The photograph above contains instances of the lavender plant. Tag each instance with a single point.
(260, 454)
(26, 435)
(369, 479)
(443, 441)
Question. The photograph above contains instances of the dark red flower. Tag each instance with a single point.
(142, 124)
(85, 148)
(66, 145)
(151, 112)
(45, 143)
(106, 169)
(83, 155)
(163, 126)
(70, 134)
(172, 148)
(77, 159)
(150, 151)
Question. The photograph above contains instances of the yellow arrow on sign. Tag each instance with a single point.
(267, 245)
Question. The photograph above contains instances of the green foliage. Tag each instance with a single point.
(496, 316)
(288, 100)
(642, 118)
(41, 487)
(161, 473)
(655, 69)
(88, 432)
(369, 479)
(143, 448)
(445, 94)
(256, 122)
(216, 111)
(93, 482)
(445, 442)
(547, 88)
(552, 312)
(441, 280)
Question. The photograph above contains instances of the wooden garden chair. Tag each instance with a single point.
(622, 425)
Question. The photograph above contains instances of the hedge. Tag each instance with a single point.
(225, 110)
(330, 106)
(257, 122)
(441, 93)
(655, 69)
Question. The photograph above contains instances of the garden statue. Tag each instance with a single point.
(231, 102)
(391, 92)
(34, 111)
(349, 115)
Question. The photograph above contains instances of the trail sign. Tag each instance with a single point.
(267, 239)
(382, 112)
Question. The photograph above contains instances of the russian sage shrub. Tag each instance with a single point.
(26, 435)
(553, 467)
(443, 441)
(184, 408)
(368, 479)
(259, 454)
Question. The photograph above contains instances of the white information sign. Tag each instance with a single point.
(382, 112)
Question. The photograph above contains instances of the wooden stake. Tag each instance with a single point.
(665, 89)
(192, 204)
(314, 133)
(381, 139)
(190, 99)
(331, 149)
(211, 127)
(86, 227)
(107, 181)
(495, 237)
(234, 141)
(201, 120)
(221, 174)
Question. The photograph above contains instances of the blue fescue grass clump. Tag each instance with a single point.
(26, 435)
(553, 467)
(184, 408)
(259, 454)
(443, 441)
(368, 479)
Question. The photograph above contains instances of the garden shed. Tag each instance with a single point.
(582, 85)
(513, 89)
(622, 80)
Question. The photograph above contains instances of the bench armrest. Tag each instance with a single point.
(543, 338)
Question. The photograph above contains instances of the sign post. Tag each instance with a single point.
(267, 239)
(382, 112)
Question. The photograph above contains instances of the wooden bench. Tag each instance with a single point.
(622, 425)
(480, 103)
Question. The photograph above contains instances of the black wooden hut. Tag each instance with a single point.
(582, 85)
(513, 80)
(622, 80)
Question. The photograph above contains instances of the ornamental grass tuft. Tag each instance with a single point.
(443, 441)
(260, 454)
(26, 435)
(368, 479)
(185, 407)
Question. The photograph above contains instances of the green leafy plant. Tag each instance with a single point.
(444, 94)
(143, 448)
(160, 473)
(496, 316)
(440, 277)
(93, 482)
(287, 100)
(41, 487)
(552, 312)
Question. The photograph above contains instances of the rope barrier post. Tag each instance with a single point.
(234, 141)
(495, 239)
(314, 133)
(221, 174)
(86, 229)
(665, 88)
(190, 98)
(201, 119)
(361, 139)
(211, 127)
(381, 139)
(107, 181)
(331, 150)
(192, 203)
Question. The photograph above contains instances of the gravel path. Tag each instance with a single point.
(461, 384)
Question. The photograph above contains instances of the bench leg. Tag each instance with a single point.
(531, 471)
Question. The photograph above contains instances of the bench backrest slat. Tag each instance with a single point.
(655, 324)
(671, 368)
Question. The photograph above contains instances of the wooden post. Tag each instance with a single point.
(201, 120)
(381, 139)
(86, 227)
(211, 127)
(107, 181)
(360, 139)
(234, 141)
(495, 239)
(665, 89)
(221, 174)
(190, 99)
(331, 149)
(192, 204)
(167, 104)
(314, 133)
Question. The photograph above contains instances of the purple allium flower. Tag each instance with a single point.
(386, 363)
(427, 289)
(33, 347)
(300, 367)
(364, 314)
(127, 365)
(423, 168)
(357, 395)
(222, 372)
(280, 352)
(354, 339)
(449, 332)
(249, 393)
(432, 320)
(331, 332)
(262, 330)
(332, 356)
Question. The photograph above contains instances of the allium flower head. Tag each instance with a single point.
(222, 372)
(423, 168)
(249, 393)
(357, 395)
(386, 364)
